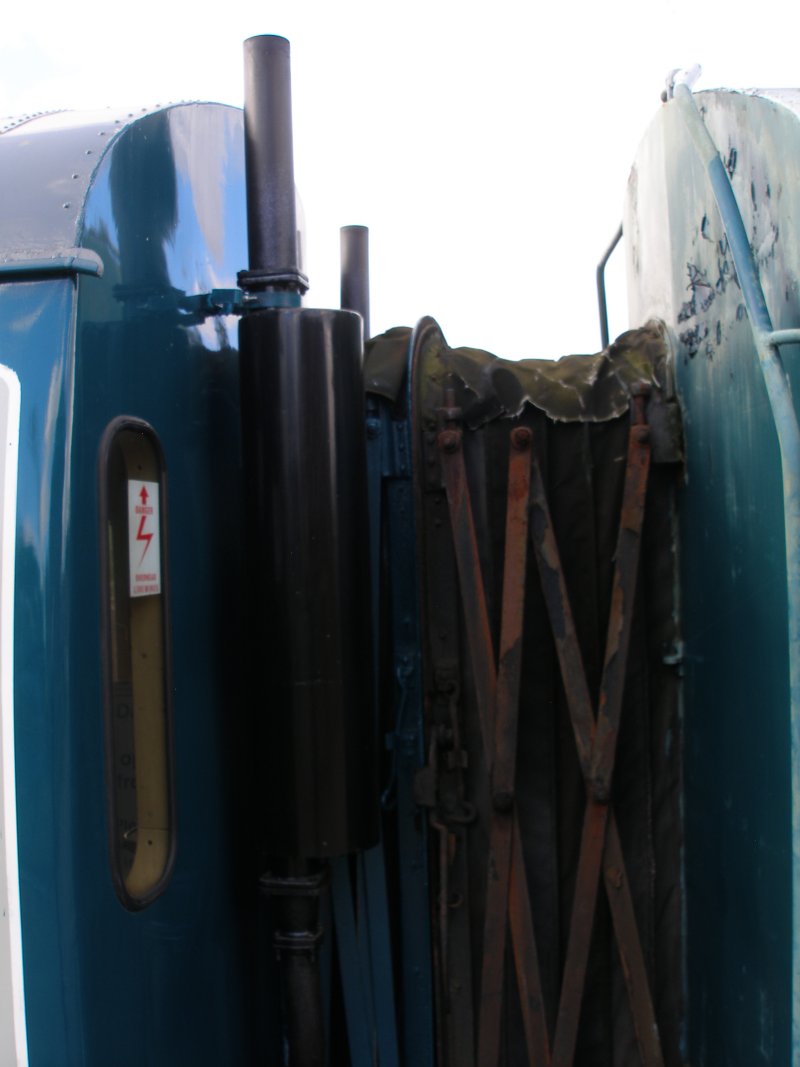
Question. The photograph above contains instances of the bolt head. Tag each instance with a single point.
(521, 438)
(450, 440)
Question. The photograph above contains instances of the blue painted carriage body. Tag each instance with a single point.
(159, 201)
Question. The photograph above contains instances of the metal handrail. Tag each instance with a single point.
(602, 306)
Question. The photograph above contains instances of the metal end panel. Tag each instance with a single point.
(734, 603)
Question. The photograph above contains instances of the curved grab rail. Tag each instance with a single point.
(602, 306)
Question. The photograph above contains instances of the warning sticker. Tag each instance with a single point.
(144, 544)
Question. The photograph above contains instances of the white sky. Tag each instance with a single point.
(487, 146)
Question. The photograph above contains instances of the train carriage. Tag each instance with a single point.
(391, 703)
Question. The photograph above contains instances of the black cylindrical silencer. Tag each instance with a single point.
(269, 166)
(305, 470)
(354, 256)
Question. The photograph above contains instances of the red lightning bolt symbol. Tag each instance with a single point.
(142, 536)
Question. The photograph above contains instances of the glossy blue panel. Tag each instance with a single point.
(37, 329)
(172, 984)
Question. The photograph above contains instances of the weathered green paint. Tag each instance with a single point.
(738, 784)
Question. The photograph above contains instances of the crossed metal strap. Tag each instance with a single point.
(497, 695)
(596, 742)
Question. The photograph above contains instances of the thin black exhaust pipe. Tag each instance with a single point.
(354, 247)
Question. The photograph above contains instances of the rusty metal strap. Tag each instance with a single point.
(630, 949)
(479, 635)
(504, 835)
(596, 746)
(497, 695)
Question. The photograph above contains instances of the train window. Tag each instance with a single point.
(132, 486)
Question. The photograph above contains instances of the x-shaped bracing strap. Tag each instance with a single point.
(497, 694)
(596, 742)
(497, 698)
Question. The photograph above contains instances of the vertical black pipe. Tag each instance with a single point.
(269, 167)
(354, 245)
(297, 941)
(302, 410)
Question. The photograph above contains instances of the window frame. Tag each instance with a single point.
(128, 423)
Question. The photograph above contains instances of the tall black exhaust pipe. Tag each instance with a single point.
(272, 241)
(302, 405)
(305, 469)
